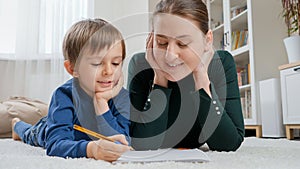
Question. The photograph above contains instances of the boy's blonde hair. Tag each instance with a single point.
(90, 35)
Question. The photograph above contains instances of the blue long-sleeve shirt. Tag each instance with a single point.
(71, 105)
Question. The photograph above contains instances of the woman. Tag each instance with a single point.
(183, 94)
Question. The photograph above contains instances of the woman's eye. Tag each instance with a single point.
(182, 44)
(162, 43)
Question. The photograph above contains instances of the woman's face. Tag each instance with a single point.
(178, 45)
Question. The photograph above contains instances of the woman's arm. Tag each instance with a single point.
(224, 126)
(149, 106)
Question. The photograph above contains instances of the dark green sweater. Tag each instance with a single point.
(179, 116)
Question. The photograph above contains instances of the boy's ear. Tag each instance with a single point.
(70, 68)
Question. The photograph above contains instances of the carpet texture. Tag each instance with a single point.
(255, 153)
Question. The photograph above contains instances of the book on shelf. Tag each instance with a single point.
(243, 103)
(246, 104)
(249, 73)
(239, 38)
(236, 10)
(243, 75)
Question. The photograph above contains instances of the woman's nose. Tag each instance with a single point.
(172, 52)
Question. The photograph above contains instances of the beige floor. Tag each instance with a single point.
(254, 153)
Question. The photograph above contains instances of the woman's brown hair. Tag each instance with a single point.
(193, 9)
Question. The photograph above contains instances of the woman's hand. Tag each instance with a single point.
(101, 98)
(159, 77)
(107, 150)
(200, 72)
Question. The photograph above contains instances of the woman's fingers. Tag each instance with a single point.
(149, 52)
(149, 41)
(207, 56)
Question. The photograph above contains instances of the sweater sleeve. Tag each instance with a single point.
(60, 138)
(223, 123)
(116, 120)
(148, 122)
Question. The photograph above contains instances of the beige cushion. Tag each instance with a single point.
(28, 110)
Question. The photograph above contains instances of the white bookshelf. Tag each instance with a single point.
(264, 49)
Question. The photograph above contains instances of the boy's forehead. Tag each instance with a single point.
(112, 52)
(94, 52)
(95, 55)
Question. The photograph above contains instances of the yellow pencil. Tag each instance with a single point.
(89, 132)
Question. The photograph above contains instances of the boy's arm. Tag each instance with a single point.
(60, 136)
(116, 119)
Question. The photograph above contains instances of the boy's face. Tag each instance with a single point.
(101, 71)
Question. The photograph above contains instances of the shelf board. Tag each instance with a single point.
(241, 55)
(240, 15)
(240, 50)
(218, 28)
(245, 87)
(218, 31)
(239, 21)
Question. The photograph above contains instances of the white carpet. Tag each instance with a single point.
(254, 153)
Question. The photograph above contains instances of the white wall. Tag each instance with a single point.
(131, 18)
(30, 78)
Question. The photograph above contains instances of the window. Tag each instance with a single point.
(8, 18)
(35, 28)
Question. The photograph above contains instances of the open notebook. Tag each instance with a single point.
(161, 155)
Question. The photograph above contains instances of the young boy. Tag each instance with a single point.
(94, 51)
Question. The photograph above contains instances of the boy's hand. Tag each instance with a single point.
(101, 98)
(106, 150)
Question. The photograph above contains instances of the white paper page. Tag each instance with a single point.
(186, 155)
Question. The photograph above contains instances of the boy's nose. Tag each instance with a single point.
(107, 70)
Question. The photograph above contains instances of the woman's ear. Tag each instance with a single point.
(70, 68)
(208, 40)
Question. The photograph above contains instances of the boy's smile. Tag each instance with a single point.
(101, 71)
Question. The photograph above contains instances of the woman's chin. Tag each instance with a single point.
(175, 78)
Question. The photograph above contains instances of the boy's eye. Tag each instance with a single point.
(96, 64)
(116, 63)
